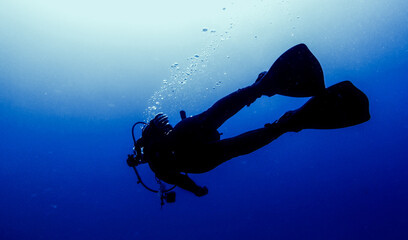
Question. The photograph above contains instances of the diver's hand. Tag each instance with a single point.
(201, 191)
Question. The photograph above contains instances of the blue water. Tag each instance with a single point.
(75, 76)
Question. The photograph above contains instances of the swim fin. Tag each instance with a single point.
(341, 105)
(296, 73)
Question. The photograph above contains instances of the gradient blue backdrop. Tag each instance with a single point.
(75, 75)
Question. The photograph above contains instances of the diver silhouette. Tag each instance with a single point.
(194, 145)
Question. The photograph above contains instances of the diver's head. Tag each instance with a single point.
(153, 136)
(157, 127)
(155, 132)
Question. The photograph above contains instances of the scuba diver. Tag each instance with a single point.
(194, 145)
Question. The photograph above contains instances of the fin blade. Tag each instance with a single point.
(297, 73)
(342, 105)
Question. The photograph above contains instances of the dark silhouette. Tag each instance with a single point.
(194, 144)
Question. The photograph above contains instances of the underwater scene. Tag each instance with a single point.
(75, 76)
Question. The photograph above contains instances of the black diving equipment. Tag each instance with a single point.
(136, 158)
(296, 73)
(341, 105)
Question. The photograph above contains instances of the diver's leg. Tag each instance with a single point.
(229, 105)
(246, 142)
(224, 150)
(222, 110)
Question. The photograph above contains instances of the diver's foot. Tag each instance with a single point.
(264, 85)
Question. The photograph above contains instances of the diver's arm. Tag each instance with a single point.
(185, 183)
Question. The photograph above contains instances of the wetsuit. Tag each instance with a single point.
(194, 145)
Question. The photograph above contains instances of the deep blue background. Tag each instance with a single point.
(70, 90)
